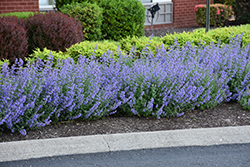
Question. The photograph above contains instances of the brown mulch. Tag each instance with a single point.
(226, 114)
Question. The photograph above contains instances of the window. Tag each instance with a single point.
(146, 1)
(46, 5)
(154, 1)
(46, 2)
(163, 16)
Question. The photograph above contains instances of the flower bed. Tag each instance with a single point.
(164, 85)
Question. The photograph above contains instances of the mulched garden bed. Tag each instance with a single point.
(225, 114)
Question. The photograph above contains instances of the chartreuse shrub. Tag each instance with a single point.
(23, 15)
(200, 36)
(92, 48)
(44, 55)
(13, 39)
(55, 31)
(219, 14)
(90, 16)
(140, 44)
(122, 18)
(167, 84)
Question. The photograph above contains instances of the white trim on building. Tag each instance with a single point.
(46, 5)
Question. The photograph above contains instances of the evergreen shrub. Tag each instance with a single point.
(60, 3)
(55, 31)
(122, 18)
(90, 16)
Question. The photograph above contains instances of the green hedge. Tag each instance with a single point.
(44, 54)
(122, 18)
(199, 35)
(88, 48)
(60, 3)
(90, 15)
(141, 44)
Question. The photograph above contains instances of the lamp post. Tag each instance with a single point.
(207, 15)
(153, 9)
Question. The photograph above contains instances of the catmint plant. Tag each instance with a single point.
(169, 83)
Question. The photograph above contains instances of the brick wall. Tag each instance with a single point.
(183, 14)
(7, 6)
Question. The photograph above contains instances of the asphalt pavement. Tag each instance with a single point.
(235, 155)
(224, 146)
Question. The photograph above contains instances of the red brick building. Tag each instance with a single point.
(173, 13)
(7, 6)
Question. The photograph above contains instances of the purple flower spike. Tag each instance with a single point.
(178, 115)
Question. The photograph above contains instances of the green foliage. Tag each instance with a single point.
(88, 48)
(245, 100)
(43, 55)
(23, 15)
(219, 14)
(122, 18)
(2, 62)
(242, 10)
(199, 35)
(225, 2)
(140, 44)
(90, 15)
(60, 3)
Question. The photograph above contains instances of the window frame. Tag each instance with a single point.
(43, 8)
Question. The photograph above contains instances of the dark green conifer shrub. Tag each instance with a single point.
(60, 3)
(122, 18)
(90, 15)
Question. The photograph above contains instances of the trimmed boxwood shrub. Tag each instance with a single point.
(219, 14)
(90, 16)
(88, 48)
(55, 31)
(122, 18)
(60, 3)
(13, 39)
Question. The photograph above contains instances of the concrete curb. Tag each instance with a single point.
(20, 150)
